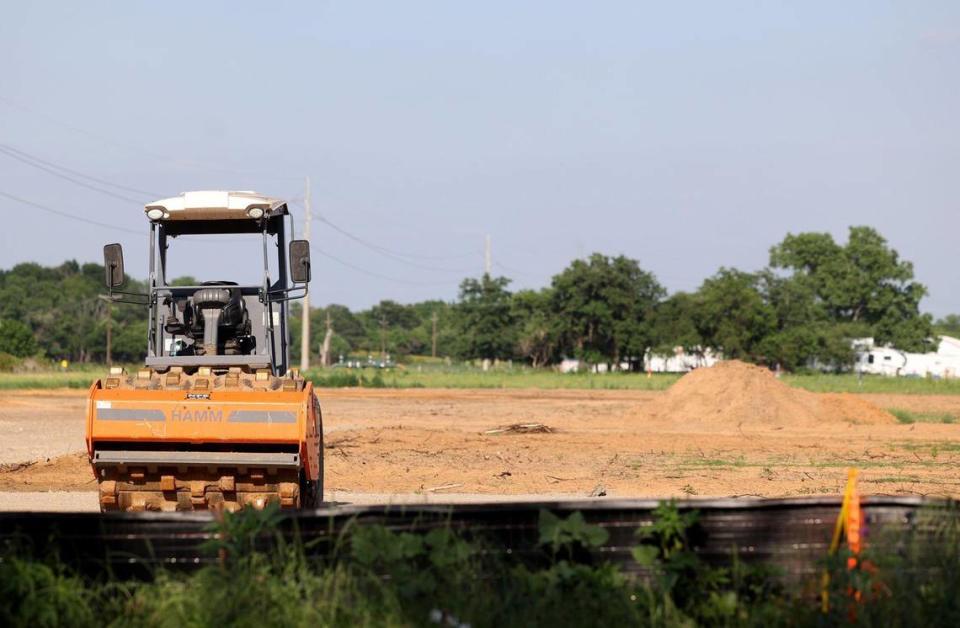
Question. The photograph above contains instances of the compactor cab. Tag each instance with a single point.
(216, 417)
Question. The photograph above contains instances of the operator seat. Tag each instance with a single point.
(219, 304)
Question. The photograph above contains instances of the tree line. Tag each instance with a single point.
(57, 313)
(813, 297)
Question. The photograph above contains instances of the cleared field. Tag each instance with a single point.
(432, 442)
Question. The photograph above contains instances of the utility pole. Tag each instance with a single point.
(383, 337)
(327, 337)
(305, 333)
(433, 348)
(487, 256)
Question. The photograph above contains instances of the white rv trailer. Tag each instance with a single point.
(877, 360)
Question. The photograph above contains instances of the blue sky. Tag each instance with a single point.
(687, 135)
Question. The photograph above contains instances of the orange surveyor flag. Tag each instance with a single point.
(853, 519)
(849, 520)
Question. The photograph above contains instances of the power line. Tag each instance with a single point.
(68, 215)
(379, 249)
(515, 271)
(378, 275)
(7, 148)
(339, 201)
(394, 255)
(66, 125)
(384, 250)
(27, 158)
(66, 177)
(136, 149)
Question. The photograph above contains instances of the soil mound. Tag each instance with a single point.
(734, 393)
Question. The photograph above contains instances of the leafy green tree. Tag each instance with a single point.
(864, 281)
(603, 307)
(825, 344)
(404, 329)
(349, 333)
(16, 339)
(129, 342)
(804, 331)
(390, 329)
(346, 325)
(393, 315)
(426, 311)
(485, 319)
(949, 325)
(61, 305)
(732, 314)
(674, 324)
(537, 335)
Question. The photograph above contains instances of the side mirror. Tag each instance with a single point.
(299, 261)
(113, 265)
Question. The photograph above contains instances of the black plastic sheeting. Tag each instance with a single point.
(793, 534)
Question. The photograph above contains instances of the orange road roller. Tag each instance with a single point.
(215, 418)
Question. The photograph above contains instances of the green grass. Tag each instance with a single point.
(715, 463)
(519, 377)
(68, 379)
(894, 479)
(432, 374)
(908, 416)
(874, 384)
(934, 448)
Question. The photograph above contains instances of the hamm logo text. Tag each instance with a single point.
(197, 416)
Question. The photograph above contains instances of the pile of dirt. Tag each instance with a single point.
(734, 393)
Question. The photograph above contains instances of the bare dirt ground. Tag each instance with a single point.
(36, 425)
(402, 445)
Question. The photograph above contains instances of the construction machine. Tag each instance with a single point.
(215, 418)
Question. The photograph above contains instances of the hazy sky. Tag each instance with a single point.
(687, 135)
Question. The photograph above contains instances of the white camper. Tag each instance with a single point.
(680, 361)
(942, 363)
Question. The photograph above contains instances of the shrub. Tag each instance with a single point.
(16, 338)
(8, 363)
(379, 576)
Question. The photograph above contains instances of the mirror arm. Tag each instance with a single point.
(112, 296)
(287, 294)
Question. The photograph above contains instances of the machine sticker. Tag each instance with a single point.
(263, 416)
(129, 414)
(103, 404)
(198, 395)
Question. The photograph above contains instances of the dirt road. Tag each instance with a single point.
(424, 444)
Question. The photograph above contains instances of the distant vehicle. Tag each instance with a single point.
(884, 360)
(369, 363)
(678, 361)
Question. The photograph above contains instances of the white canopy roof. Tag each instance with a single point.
(214, 205)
